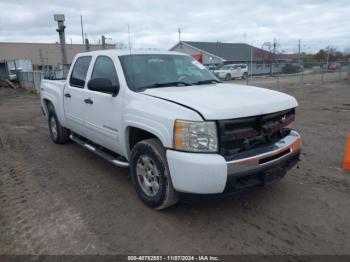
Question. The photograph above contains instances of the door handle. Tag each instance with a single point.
(67, 95)
(88, 101)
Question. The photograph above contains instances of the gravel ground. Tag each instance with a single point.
(65, 200)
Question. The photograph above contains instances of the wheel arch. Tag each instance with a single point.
(135, 134)
(48, 106)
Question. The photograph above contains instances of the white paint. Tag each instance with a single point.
(190, 172)
(227, 101)
(197, 173)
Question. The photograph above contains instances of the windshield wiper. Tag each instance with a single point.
(176, 83)
(209, 81)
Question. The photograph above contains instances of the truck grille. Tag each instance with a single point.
(244, 134)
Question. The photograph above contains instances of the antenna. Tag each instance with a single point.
(132, 65)
(129, 39)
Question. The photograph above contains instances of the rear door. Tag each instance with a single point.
(237, 71)
(232, 71)
(75, 93)
(103, 117)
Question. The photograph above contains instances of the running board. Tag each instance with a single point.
(98, 152)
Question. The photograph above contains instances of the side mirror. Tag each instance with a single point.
(103, 85)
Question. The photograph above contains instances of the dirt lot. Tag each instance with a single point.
(65, 200)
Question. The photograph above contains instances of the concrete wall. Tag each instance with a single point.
(50, 52)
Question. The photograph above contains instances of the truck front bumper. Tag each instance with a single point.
(211, 174)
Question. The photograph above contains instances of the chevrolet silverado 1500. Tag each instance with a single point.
(173, 123)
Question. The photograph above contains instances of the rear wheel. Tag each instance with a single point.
(245, 75)
(150, 174)
(59, 134)
(228, 77)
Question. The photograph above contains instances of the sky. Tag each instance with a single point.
(154, 23)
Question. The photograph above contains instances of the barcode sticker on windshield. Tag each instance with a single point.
(197, 64)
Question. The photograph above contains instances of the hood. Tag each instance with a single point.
(226, 101)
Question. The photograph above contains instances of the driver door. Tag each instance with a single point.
(104, 115)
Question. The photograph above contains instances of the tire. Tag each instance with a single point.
(228, 77)
(245, 75)
(59, 134)
(150, 154)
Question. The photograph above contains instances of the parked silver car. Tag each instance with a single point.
(232, 71)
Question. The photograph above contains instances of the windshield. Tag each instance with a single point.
(156, 70)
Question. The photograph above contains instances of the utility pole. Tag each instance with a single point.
(82, 28)
(301, 78)
(41, 58)
(179, 31)
(273, 55)
(299, 51)
(103, 42)
(251, 61)
(60, 21)
(87, 44)
(329, 49)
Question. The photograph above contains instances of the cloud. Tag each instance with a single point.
(154, 23)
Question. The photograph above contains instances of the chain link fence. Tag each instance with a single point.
(300, 75)
(30, 80)
(273, 75)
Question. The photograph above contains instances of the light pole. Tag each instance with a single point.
(60, 22)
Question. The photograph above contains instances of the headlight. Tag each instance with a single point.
(195, 136)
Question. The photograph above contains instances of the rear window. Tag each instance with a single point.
(79, 72)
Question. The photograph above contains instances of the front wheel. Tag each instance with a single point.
(150, 174)
(228, 77)
(245, 75)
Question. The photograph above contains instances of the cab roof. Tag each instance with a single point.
(119, 52)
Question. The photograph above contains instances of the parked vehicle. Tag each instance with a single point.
(180, 130)
(232, 71)
(291, 69)
(334, 66)
(16, 65)
(211, 68)
(13, 74)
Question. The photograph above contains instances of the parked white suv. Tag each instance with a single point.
(232, 71)
(181, 131)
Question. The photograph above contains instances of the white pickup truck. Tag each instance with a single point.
(180, 130)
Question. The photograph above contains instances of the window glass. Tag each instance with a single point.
(152, 69)
(104, 68)
(226, 67)
(79, 72)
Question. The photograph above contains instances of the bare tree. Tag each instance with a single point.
(270, 53)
